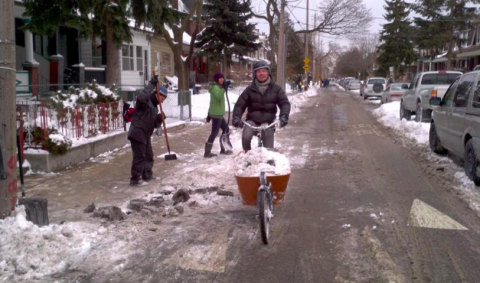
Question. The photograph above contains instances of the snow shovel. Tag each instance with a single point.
(36, 208)
(168, 156)
(224, 138)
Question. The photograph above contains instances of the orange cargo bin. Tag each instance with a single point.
(248, 187)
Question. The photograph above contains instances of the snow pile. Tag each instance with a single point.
(260, 159)
(389, 115)
(296, 101)
(201, 103)
(30, 252)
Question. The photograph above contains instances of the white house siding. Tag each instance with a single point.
(134, 77)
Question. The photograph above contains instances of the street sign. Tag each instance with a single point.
(318, 74)
(306, 67)
(306, 61)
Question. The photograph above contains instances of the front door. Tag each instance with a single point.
(456, 122)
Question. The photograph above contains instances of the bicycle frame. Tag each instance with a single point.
(265, 189)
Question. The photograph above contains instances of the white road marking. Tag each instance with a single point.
(209, 255)
(425, 216)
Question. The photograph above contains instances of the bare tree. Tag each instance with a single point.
(367, 44)
(337, 17)
(176, 43)
(341, 17)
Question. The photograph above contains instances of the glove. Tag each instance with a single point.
(226, 84)
(209, 118)
(237, 122)
(160, 118)
(283, 121)
(154, 80)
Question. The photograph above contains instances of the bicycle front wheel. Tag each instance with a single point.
(264, 212)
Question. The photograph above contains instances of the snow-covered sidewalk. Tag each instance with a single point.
(29, 253)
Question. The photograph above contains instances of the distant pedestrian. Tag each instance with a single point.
(215, 114)
(145, 119)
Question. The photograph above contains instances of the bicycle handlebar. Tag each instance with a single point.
(262, 127)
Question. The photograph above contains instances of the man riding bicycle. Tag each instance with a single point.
(261, 99)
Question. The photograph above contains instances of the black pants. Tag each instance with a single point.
(142, 162)
(268, 138)
(217, 124)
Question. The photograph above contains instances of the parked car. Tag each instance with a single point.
(374, 87)
(353, 85)
(455, 124)
(345, 82)
(394, 92)
(425, 85)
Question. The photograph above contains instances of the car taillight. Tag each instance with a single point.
(434, 93)
(366, 85)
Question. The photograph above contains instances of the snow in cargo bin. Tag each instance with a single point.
(250, 164)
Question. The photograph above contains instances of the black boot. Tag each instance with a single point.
(208, 150)
(222, 148)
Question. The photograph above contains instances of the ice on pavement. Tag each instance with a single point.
(389, 115)
(260, 159)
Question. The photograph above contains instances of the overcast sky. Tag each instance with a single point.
(297, 11)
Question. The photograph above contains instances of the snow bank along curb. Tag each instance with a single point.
(51, 163)
(389, 115)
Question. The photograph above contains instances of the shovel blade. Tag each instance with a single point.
(37, 210)
(170, 157)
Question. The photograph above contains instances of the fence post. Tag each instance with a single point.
(180, 93)
(190, 106)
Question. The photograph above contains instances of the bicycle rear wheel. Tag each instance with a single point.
(264, 213)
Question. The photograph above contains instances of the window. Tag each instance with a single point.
(96, 55)
(439, 79)
(166, 63)
(127, 58)
(376, 81)
(463, 90)
(139, 58)
(414, 82)
(447, 99)
(476, 96)
(396, 87)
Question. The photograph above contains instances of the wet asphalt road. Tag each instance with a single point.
(363, 205)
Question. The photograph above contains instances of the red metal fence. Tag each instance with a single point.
(80, 122)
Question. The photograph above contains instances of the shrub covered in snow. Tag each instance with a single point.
(91, 93)
(256, 160)
(57, 144)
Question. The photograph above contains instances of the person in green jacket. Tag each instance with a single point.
(215, 113)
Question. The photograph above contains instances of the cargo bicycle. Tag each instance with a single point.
(263, 191)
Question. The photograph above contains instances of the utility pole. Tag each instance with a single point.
(8, 161)
(280, 54)
(314, 69)
(306, 42)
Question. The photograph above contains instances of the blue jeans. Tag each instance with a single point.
(216, 125)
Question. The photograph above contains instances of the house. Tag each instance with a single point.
(464, 59)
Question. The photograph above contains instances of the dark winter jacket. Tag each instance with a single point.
(145, 117)
(262, 108)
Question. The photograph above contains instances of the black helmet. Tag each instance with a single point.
(261, 65)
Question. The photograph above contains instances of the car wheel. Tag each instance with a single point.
(404, 113)
(470, 163)
(434, 141)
